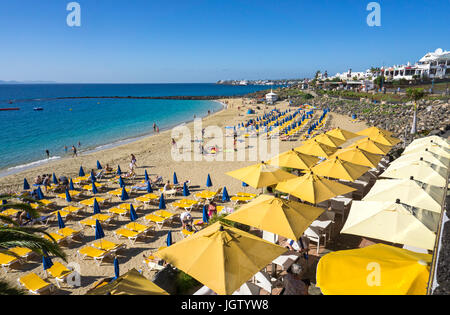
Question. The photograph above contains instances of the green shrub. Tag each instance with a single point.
(185, 283)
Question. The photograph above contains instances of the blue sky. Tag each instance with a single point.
(149, 41)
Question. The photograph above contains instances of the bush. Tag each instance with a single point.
(185, 283)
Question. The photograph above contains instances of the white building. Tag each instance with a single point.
(433, 65)
(271, 97)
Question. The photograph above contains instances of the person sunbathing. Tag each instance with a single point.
(38, 180)
(167, 186)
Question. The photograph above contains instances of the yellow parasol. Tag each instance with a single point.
(374, 270)
(294, 159)
(342, 134)
(328, 140)
(286, 218)
(316, 148)
(221, 257)
(370, 146)
(261, 175)
(373, 131)
(358, 156)
(340, 169)
(313, 189)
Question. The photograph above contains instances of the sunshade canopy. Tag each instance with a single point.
(422, 171)
(313, 189)
(358, 156)
(374, 270)
(261, 175)
(340, 169)
(294, 159)
(316, 148)
(388, 221)
(342, 134)
(286, 218)
(221, 257)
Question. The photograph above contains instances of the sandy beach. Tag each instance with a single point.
(153, 154)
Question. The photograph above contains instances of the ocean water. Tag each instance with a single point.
(95, 123)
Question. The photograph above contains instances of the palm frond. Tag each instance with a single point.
(25, 207)
(8, 289)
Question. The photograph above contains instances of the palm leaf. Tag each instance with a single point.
(7, 289)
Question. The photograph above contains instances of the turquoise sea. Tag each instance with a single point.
(95, 122)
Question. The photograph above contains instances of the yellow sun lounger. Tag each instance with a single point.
(140, 228)
(72, 193)
(64, 214)
(89, 187)
(126, 206)
(59, 272)
(185, 233)
(97, 254)
(57, 237)
(131, 235)
(90, 221)
(182, 205)
(117, 211)
(165, 214)
(73, 210)
(35, 284)
(152, 263)
(69, 233)
(7, 260)
(242, 194)
(22, 252)
(159, 221)
(90, 202)
(9, 212)
(108, 246)
(118, 192)
(237, 199)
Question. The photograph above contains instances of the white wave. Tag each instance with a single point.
(33, 164)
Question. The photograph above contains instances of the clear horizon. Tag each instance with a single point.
(202, 41)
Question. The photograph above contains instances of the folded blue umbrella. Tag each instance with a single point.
(46, 261)
(61, 224)
(96, 207)
(208, 181)
(124, 194)
(98, 230)
(68, 197)
(71, 187)
(99, 166)
(133, 214)
(146, 176)
(81, 172)
(121, 182)
(55, 180)
(4, 202)
(162, 203)
(149, 187)
(26, 186)
(40, 195)
(225, 196)
(119, 171)
(92, 177)
(175, 179)
(185, 190)
(169, 238)
(116, 269)
(94, 188)
(205, 215)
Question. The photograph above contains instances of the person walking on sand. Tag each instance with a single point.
(133, 160)
(48, 153)
(157, 129)
(74, 151)
(154, 127)
(79, 144)
(174, 144)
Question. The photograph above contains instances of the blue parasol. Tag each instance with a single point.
(116, 269)
(124, 194)
(146, 176)
(205, 215)
(208, 181)
(185, 190)
(133, 214)
(96, 207)
(94, 188)
(81, 172)
(40, 195)
(92, 177)
(149, 187)
(119, 171)
(225, 197)
(175, 179)
(26, 186)
(98, 230)
(99, 166)
(121, 182)
(55, 180)
(162, 203)
(71, 187)
(68, 197)
(61, 224)
(46, 261)
(169, 238)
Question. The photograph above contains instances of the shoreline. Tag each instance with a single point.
(17, 169)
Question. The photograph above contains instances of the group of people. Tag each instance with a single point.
(45, 181)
